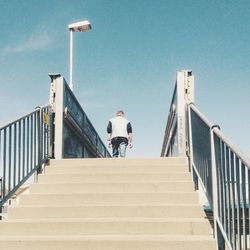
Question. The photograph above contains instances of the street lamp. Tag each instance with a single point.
(82, 26)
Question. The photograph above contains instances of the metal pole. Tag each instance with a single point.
(215, 191)
(71, 61)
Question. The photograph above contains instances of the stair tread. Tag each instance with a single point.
(113, 205)
(112, 177)
(108, 219)
(115, 174)
(127, 160)
(112, 193)
(104, 237)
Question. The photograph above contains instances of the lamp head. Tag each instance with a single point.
(82, 26)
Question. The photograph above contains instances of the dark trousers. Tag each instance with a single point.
(119, 146)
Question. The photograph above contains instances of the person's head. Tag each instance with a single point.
(120, 113)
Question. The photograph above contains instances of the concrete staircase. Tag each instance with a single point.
(109, 204)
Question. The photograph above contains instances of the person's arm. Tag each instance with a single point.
(109, 133)
(129, 131)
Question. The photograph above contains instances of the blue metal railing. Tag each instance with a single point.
(232, 195)
(24, 147)
(200, 150)
(224, 174)
(169, 141)
(217, 167)
(80, 139)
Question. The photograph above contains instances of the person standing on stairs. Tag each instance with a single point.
(119, 131)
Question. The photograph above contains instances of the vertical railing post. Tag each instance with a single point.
(57, 101)
(190, 147)
(215, 193)
(1, 179)
(39, 136)
(185, 95)
(9, 165)
(219, 233)
(1, 195)
(4, 163)
(181, 128)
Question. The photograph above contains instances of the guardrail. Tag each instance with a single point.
(218, 168)
(224, 174)
(75, 136)
(231, 180)
(170, 136)
(199, 143)
(24, 147)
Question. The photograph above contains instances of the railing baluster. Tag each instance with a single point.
(218, 173)
(225, 225)
(35, 139)
(43, 134)
(232, 168)
(248, 207)
(4, 160)
(23, 148)
(9, 158)
(238, 216)
(40, 138)
(243, 197)
(1, 174)
(228, 195)
(27, 145)
(19, 151)
(14, 155)
(31, 142)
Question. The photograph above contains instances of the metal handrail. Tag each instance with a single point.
(24, 147)
(170, 127)
(201, 115)
(168, 135)
(224, 173)
(243, 158)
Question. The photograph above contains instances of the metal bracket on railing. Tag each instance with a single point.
(215, 126)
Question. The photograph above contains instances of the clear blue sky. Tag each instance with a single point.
(129, 61)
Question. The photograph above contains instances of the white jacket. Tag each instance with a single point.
(119, 126)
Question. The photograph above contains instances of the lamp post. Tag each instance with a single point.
(82, 26)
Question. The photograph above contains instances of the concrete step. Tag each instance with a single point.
(164, 161)
(154, 187)
(108, 199)
(104, 242)
(138, 177)
(104, 211)
(115, 169)
(116, 226)
(109, 204)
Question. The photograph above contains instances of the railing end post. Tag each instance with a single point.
(53, 76)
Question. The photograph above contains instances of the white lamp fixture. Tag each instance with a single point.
(82, 26)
